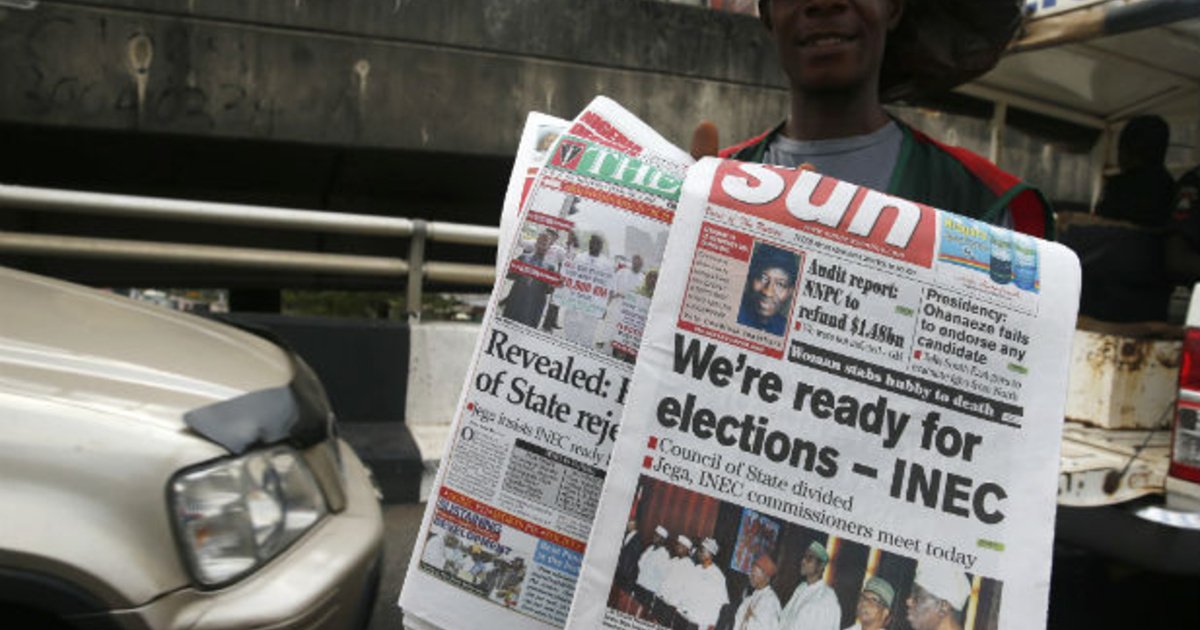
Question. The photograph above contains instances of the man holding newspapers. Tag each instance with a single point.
(844, 59)
(857, 395)
(580, 325)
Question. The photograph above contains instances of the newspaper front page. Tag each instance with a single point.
(846, 410)
(505, 528)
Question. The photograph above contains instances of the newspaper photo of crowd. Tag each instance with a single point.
(691, 561)
(497, 577)
(578, 275)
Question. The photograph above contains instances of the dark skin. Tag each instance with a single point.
(811, 567)
(595, 245)
(871, 612)
(926, 612)
(832, 52)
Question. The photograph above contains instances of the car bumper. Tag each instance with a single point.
(328, 579)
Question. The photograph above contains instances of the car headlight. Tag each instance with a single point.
(234, 515)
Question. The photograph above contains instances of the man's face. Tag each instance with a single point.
(595, 245)
(871, 611)
(810, 566)
(772, 290)
(924, 610)
(832, 45)
(681, 550)
(705, 556)
(544, 240)
(637, 264)
(758, 579)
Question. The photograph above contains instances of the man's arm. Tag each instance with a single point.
(705, 140)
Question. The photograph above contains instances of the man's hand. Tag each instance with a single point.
(704, 140)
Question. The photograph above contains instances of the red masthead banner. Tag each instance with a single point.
(808, 201)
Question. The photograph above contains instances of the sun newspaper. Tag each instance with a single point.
(846, 410)
(504, 531)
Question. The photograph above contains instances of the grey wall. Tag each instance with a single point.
(432, 75)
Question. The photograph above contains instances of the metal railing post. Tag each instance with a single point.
(416, 270)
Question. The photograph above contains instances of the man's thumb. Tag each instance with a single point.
(704, 140)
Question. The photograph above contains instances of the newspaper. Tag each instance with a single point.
(537, 138)
(505, 528)
(841, 397)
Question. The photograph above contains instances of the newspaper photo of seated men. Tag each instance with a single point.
(580, 275)
(692, 561)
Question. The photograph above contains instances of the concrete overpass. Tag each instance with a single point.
(397, 107)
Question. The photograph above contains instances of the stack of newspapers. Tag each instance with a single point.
(720, 395)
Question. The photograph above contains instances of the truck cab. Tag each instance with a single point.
(1129, 483)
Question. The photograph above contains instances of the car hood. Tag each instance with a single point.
(87, 348)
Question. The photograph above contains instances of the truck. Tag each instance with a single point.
(1129, 484)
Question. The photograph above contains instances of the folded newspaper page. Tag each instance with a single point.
(537, 138)
(846, 410)
(507, 522)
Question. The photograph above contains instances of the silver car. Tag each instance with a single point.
(159, 470)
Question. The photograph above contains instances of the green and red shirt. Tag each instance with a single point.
(946, 177)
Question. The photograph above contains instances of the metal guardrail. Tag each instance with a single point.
(413, 265)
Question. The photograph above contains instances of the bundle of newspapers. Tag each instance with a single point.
(720, 395)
